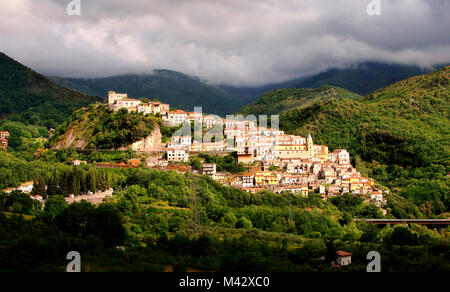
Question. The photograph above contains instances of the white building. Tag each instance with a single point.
(344, 258)
(113, 96)
(340, 156)
(127, 103)
(78, 162)
(209, 122)
(183, 140)
(175, 118)
(209, 169)
(177, 155)
(248, 180)
(25, 187)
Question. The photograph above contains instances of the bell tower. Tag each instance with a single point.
(310, 144)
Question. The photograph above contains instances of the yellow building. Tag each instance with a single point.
(196, 147)
(266, 178)
(291, 151)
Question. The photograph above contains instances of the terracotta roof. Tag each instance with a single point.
(178, 112)
(342, 253)
(128, 99)
(8, 190)
(25, 184)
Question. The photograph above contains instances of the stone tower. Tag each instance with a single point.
(113, 96)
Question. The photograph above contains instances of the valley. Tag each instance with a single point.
(252, 198)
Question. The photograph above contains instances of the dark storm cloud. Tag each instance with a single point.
(225, 41)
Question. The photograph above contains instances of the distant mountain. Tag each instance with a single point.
(362, 79)
(27, 96)
(179, 90)
(251, 94)
(399, 135)
(279, 100)
(185, 92)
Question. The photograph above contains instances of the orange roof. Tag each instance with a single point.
(178, 112)
(8, 190)
(28, 183)
(128, 99)
(247, 174)
(342, 253)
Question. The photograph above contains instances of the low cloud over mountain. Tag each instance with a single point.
(228, 42)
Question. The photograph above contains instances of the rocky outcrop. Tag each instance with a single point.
(71, 141)
(152, 143)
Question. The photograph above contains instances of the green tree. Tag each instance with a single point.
(244, 223)
(55, 205)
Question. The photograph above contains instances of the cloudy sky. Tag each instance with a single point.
(236, 42)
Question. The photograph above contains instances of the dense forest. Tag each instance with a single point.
(364, 78)
(31, 98)
(166, 220)
(277, 101)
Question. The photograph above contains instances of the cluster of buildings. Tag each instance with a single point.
(27, 188)
(117, 101)
(4, 139)
(284, 163)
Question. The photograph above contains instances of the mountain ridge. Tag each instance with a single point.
(362, 78)
(179, 90)
(30, 97)
(279, 100)
(185, 91)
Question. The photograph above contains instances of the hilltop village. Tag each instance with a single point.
(275, 161)
(270, 159)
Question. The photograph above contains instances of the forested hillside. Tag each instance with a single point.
(399, 135)
(179, 90)
(170, 221)
(363, 78)
(29, 97)
(280, 100)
